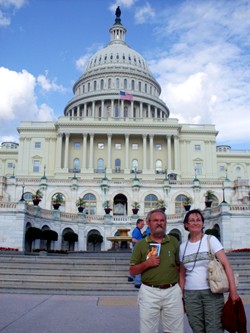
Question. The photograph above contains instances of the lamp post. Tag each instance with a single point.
(22, 197)
(13, 173)
(223, 193)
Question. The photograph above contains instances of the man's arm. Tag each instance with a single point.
(153, 261)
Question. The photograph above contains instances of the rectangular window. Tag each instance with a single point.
(197, 147)
(10, 165)
(158, 147)
(100, 145)
(118, 146)
(37, 145)
(36, 166)
(77, 145)
(198, 169)
(135, 146)
(222, 168)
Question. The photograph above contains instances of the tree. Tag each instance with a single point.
(94, 239)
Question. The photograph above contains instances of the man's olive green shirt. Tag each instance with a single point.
(167, 272)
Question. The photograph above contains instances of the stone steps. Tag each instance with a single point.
(103, 273)
(85, 274)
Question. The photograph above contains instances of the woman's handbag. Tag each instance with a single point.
(217, 278)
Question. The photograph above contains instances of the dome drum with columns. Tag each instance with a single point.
(117, 68)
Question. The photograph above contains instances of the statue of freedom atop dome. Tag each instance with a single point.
(118, 12)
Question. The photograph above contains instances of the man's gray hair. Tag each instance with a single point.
(148, 217)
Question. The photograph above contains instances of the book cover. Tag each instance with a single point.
(154, 249)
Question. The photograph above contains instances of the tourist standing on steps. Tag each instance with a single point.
(203, 308)
(136, 236)
(156, 258)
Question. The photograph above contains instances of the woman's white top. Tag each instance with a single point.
(196, 279)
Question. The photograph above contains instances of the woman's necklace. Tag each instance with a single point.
(190, 270)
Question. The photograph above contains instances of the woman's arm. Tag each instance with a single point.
(182, 276)
(229, 272)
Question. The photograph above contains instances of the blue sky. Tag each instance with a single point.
(199, 51)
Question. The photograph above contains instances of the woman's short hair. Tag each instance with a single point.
(193, 211)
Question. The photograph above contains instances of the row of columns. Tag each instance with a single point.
(82, 112)
(88, 147)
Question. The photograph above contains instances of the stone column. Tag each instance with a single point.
(176, 153)
(126, 153)
(151, 149)
(131, 109)
(169, 166)
(140, 112)
(91, 151)
(84, 151)
(109, 166)
(59, 150)
(85, 110)
(93, 109)
(112, 108)
(144, 152)
(66, 153)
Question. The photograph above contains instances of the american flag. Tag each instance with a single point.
(126, 96)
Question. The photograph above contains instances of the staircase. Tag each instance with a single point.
(240, 263)
(96, 274)
(102, 273)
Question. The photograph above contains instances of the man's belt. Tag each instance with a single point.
(162, 286)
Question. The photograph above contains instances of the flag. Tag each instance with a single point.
(126, 96)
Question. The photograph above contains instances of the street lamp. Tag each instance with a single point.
(22, 197)
(223, 194)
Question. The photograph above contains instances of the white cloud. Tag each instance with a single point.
(84, 59)
(18, 101)
(144, 13)
(203, 65)
(6, 11)
(122, 4)
(48, 85)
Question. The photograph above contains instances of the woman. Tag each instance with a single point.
(203, 308)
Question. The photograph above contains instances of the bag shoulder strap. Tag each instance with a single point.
(211, 255)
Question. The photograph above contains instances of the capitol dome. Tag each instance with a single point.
(114, 70)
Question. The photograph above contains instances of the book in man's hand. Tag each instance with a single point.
(154, 249)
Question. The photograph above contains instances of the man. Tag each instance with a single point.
(136, 237)
(160, 295)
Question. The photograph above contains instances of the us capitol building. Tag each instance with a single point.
(116, 144)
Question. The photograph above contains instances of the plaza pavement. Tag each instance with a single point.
(23, 313)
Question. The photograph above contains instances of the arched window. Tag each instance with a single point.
(102, 84)
(150, 203)
(28, 197)
(139, 85)
(62, 203)
(158, 166)
(179, 205)
(133, 84)
(95, 85)
(118, 165)
(117, 82)
(90, 201)
(76, 164)
(215, 201)
(100, 165)
(109, 83)
(125, 83)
